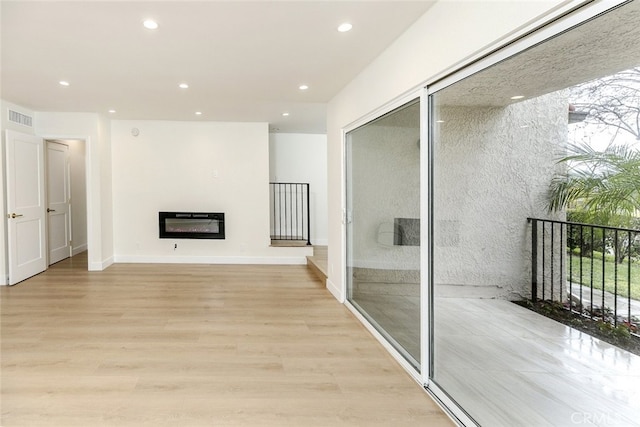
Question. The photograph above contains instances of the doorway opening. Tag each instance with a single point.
(66, 198)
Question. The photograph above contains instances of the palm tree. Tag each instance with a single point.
(605, 184)
(599, 187)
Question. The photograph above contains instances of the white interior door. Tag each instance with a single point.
(58, 202)
(27, 241)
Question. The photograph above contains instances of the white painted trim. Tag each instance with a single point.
(388, 107)
(335, 291)
(341, 292)
(101, 265)
(319, 242)
(160, 259)
(425, 240)
(88, 176)
(78, 249)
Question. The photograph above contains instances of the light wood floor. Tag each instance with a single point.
(195, 345)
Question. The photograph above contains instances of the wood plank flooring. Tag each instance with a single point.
(194, 345)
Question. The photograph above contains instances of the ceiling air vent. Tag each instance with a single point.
(21, 119)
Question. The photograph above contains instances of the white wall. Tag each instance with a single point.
(77, 154)
(6, 124)
(446, 34)
(295, 157)
(4, 115)
(94, 130)
(193, 166)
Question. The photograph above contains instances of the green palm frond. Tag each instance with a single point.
(606, 182)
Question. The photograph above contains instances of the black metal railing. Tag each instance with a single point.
(290, 213)
(592, 270)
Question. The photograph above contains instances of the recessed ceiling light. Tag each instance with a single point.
(183, 86)
(517, 97)
(343, 28)
(439, 121)
(285, 114)
(198, 113)
(64, 83)
(303, 87)
(112, 111)
(150, 24)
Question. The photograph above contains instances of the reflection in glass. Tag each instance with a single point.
(383, 233)
(494, 154)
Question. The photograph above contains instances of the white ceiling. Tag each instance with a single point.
(243, 60)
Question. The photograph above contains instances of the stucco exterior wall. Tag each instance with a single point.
(385, 184)
(492, 172)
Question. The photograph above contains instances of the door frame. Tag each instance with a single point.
(420, 376)
(86, 140)
(67, 171)
(88, 176)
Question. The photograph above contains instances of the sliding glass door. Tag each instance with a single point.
(510, 334)
(383, 226)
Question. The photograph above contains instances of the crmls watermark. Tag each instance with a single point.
(596, 418)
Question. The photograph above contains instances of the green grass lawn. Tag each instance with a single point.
(609, 275)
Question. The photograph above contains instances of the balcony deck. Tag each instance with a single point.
(505, 364)
(509, 366)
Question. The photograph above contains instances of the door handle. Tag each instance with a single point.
(15, 215)
(50, 210)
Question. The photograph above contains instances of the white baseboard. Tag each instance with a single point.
(101, 265)
(293, 260)
(78, 249)
(335, 291)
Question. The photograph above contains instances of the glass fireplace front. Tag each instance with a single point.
(191, 225)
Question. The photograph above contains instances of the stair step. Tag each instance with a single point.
(318, 262)
(289, 243)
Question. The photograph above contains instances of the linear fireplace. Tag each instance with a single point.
(191, 225)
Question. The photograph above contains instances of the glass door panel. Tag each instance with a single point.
(502, 140)
(383, 226)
